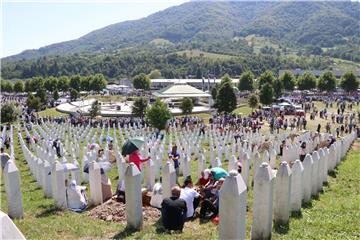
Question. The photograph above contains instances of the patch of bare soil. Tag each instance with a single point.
(116, 212)
(356, 145)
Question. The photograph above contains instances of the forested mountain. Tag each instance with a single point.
(216, 27)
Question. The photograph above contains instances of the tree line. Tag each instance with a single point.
(94, 82)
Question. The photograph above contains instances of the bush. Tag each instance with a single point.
(9, 112)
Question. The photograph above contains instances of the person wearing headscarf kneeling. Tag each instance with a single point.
(75, 197)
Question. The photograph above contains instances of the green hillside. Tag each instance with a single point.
(287, 33)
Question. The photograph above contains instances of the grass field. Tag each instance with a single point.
(199, 53)
(335, 214)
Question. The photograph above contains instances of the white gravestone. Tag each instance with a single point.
(232, 206)
(95, 184)
(263, 203)
(58, 185)
(307, 177)
(13, 190)
(134, 214)
(296, 186)
(282, 194)
(168, 179)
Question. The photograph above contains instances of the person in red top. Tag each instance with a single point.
(204, 177)
(135, 158)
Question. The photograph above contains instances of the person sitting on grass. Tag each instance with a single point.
(75, 197)
(173, 211)
(191, 197)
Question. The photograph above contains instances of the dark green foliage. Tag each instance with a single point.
(33, 103)
(63, 83)
(41, 93)
(139, 107)
(288, 80)
(97, 83)
(307, 81)
(215, 27)
(327, 82)
(75, 82)
(226, 98)
(95, 109)
(266, 77)
(19, 86)
(74, 94)
(266, 94)
(278, 87)
(6, 86)
(349, 82)
(186, 105)
(56, 95)
(158, 114)
(214, 91)
(246, 81)
(9, 112)
(50, 84)
(253, 101)
(141, 81)
(155, 74)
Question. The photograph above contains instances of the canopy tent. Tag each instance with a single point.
(180, 91)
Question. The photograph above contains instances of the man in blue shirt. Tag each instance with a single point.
(174, 156)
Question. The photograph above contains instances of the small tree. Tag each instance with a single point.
(63, 83)
(266, 94)
(50, 84)
(253, 101)
(43, 96)
(214, 91)
(266, 77)
(74, 94)
(155, 74)
(246, 81)
(186, 105)
(33, 103)
(307, 81)
(19, 86)
(226, 98)
(288, 81)
(158, 114)
(56, 95)
(278, 87)
(139, 107)
(9, 112)
(98, 82)
(348, 82)
(327, 82)
(95, 109)
(6, 86)
(142, 81)
(75, 82)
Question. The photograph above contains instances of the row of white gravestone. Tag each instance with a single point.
(275, 196)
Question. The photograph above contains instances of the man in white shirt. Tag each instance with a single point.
(191, 197)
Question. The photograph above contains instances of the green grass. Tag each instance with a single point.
(51, 112)
(199, 53)
(334, 215)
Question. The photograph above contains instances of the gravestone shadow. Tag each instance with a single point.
(53, 210)
(296, 214)
(307, 205)
(281, 228)
(127, 232)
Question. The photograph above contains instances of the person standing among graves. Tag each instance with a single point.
(173, 211)
(174, 156)
(191, 197)
(302, 151)
(136, 158)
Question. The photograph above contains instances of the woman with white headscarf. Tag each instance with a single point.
(75, 196)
